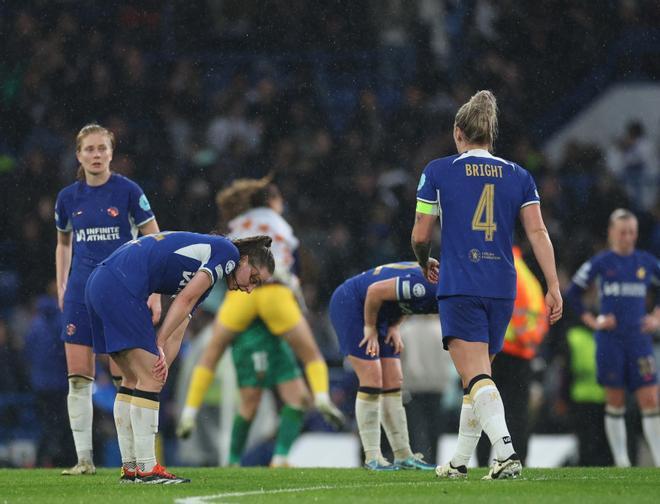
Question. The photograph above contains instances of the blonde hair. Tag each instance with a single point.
(244, 194)
(621, 214)
(90, 129)
(477, 119)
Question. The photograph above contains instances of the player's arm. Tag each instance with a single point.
(154, 302)
(63, 253)
(183, 305)
(377, 294)
(422, 233)
(651, 321)
(538, 236)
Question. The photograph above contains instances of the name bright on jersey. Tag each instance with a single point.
(483, 170)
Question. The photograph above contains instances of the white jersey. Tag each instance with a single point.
(265, 221)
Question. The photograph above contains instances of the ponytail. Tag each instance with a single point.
(477, 119)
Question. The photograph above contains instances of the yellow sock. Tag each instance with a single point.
(201, 380)
(317, 376)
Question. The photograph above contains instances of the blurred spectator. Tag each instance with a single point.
(46, 366)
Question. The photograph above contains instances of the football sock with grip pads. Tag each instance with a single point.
(615, 429)
(367, 414)
(122, 415)
(651, 428)
(489, 409)
(395, 422)
(469, 433)
(81, 414)
(144, 421)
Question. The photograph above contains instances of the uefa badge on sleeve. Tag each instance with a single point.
(229, 267)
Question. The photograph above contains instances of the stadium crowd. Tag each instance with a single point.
(344, 102)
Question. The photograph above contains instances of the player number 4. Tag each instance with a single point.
(484, 215)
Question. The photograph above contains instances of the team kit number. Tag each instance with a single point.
(484, 215)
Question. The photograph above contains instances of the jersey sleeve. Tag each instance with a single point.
(655, 279)
(223, 260)
(411, 287)
(586, 273)
(139, 206)
(62, 215)
(530, 192)
(427, 194)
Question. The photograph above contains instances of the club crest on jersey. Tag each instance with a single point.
(419, 290)
(113, 212)
(229, 267)
(70, 329)
(641, 273)
(475, 255)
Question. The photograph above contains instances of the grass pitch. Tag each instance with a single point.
(346, 486)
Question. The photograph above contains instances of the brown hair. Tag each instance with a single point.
(257, 248)
(89, 129)
(244, 194)
(477, 119)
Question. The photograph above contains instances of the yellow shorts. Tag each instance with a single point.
(274, 304)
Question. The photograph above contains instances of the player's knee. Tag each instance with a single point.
(478, 382)
(248, 409)
(80, 385)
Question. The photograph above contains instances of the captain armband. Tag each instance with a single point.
(427, 208)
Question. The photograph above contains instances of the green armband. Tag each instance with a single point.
(427, 208)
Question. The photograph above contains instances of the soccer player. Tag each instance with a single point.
(477, 198)
(366, 311)
(624, 346)
(255, 206)
(94, 216)
(182, 264)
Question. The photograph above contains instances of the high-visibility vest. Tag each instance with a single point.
(584, 385)
(529, 323)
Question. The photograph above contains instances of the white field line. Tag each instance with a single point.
(209, 498)
(215, 497)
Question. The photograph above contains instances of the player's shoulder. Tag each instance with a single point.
(69, 191)
(441, 163)
(123, 181)
(646, 256)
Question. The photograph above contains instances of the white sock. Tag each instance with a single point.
(122, 414)
(81, 413)
(615, 429)
(395, 423)
(469, 433)
(367, 414)
(488, 408)
(651, 428)
(144, 420)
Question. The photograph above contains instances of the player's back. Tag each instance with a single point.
(415, 294)
(479, 198)
(165, 262)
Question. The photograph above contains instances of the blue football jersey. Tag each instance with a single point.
(479, 197)
(101, 219)
(415, 294)
(622, 282)
(165, 262)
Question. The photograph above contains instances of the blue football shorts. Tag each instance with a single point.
(119, 320)
(347, 317)
(625, 360)
(474, 318)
